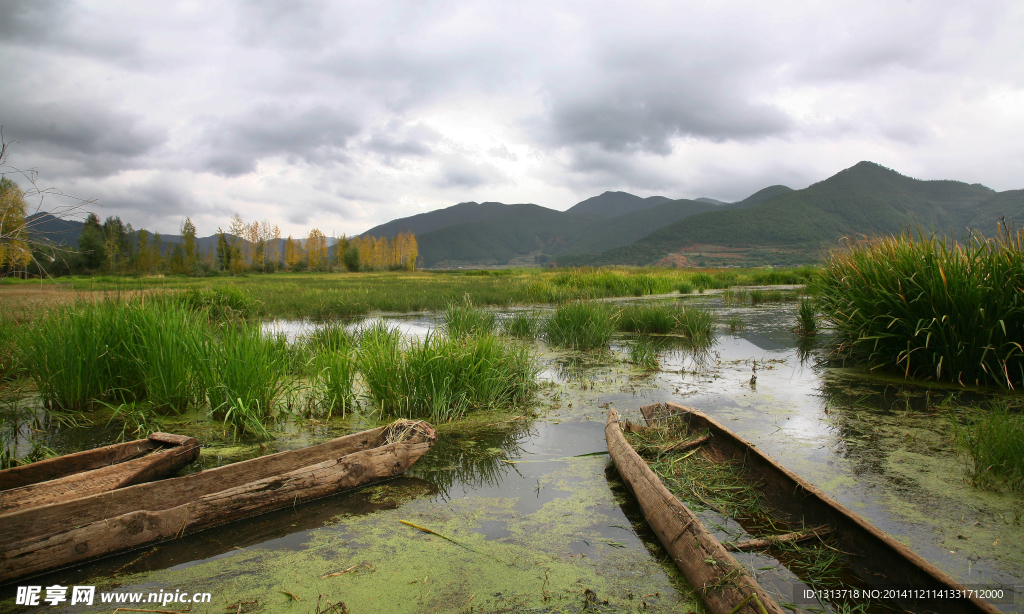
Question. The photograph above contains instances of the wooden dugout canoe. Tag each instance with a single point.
(45, 538)
(94, 471)
(717, 577)
(878, 559)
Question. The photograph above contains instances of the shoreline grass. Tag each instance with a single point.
(327, 296)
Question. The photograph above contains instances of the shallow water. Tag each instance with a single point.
(538, 527)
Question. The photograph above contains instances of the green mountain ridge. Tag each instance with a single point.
(863, 200)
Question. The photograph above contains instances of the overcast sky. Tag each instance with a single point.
(344, 115)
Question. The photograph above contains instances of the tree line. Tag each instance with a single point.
(113, 247)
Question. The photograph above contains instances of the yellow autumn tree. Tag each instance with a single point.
(15, 252)
(316, 249)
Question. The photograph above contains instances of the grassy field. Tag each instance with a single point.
(323, 296)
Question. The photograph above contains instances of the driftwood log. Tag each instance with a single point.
(876, 558)
(717, 577)
(46, 538)
(152, 458)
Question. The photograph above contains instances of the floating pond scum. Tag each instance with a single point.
(523, 516)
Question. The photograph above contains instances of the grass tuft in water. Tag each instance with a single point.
(333, 381)
(580, 326)
(464, 319)
(993, 440)
(522, 324)
(807, 323)
(441, 378)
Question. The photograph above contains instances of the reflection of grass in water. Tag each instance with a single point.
(473, 457)
(644, 353)
(993, 439)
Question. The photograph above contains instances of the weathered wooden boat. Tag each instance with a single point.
(45, 538)
(95, 471)
(876, 559)
(718, 578)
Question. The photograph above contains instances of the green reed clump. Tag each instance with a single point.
(148, 349)
(758, 297)
(929, 308)
(644, 353)
(247, 374)
(993, 440)
(702, 281)
(807, 322)
(333, 381)
(331, 337)
(685, 287)
(464, 319)
(522, 324)
(221, 302)
(697, 325)
(649, 318)
(580, 326)
(735, 323)
(441, 377)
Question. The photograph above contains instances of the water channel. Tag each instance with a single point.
(537, 523)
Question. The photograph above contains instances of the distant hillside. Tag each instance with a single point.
(430, 221)
(1008, 205)
(614, 204)
(710, 201)
(626, 229)
(51, 229)
(864, 199)
(520, 230)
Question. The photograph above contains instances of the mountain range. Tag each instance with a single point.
(775, 225)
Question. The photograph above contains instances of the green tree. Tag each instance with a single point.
(191, 255)
(93, 253)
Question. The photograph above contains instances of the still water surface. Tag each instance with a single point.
(536, 527)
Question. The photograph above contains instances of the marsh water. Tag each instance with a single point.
(530, 516)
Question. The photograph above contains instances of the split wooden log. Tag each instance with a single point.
(768, 542)
(42, 539)
(159, 455)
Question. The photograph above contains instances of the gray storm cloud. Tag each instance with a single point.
(346, 115)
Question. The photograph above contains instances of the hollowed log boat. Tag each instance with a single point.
(94, 471)
(876, 559)
(46, 538)
(717, 577)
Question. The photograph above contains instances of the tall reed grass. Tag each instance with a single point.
(247, 373)
(522, 324)
(929, 308)
(464, 319)
(994, 442)
(580, 326)
(806, 316)
(441, 377)
(147, 349)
